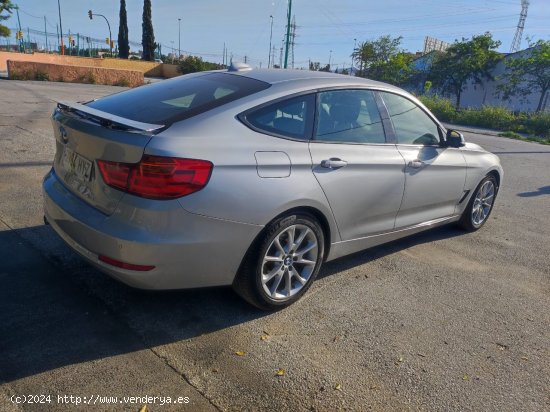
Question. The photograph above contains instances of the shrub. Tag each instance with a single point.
(492, 117)
(122, 83)
(442, 108)
(539, 124)
(41, 76)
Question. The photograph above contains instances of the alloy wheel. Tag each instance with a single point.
(289, 261)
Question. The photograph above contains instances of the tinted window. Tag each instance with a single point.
(411, 124)
(290, 118)
(349, 116)
(171, 100)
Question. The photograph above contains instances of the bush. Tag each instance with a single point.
(41, 76)
(539, 124)
(192, 64)
(491, 117)
(443, 109)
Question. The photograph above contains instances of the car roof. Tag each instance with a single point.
(324, 79)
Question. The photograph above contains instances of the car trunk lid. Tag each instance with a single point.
(84, 135)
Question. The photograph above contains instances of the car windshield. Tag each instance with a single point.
(169, 101)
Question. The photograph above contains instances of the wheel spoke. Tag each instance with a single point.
(288, 282)
(272, 273)
(278, 245)
(301, 238)
(300, 279)
(276, 283)
(305, 262)
(273, 259)
(306, 249)
(291, 231)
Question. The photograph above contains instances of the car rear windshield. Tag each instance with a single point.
(169, 101)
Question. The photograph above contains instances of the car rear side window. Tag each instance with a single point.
(287, 118)
(349, 116)
(177, 99)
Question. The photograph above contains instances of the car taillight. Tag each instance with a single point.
(156, 177)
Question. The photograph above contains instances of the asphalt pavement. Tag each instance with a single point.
(443, 320)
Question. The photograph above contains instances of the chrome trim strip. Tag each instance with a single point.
(408, 228)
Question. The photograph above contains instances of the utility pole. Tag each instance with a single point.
(179, 37)
(292, 41)
(46, 34)
(57, 30)
(329, 59)
(289, 14)
(60, 28)
(270, 39)
(16, 7)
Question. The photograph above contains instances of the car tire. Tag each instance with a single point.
(282, 263)
(480, 205)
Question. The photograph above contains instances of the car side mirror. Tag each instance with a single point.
(455, 139)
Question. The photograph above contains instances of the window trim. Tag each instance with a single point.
(308, 133)
(428, 114)
(343, 88)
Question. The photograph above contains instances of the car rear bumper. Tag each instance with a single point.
(187, 250)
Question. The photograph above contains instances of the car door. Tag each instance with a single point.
(360, 173)
(434, 174)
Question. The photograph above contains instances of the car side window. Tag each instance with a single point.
(289, 118)
(349, 116)
(410, 123)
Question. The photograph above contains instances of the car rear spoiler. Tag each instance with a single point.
(107, 119)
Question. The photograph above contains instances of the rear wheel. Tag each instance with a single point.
(283, 262)
(480, 205)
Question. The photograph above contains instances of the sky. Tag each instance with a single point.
(327, 30)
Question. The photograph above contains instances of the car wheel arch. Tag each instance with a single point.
(304, 210)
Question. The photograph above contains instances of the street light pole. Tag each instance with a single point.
(329, 59)
(270, 39)
(179, 38)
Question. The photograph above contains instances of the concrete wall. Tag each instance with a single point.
(151, 69)
(170, 70)
(487, 93)
(73, 74)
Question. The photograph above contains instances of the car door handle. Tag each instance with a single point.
(333, 163)
(416, 164)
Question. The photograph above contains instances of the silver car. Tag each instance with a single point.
(254, 178)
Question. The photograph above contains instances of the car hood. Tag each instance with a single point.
(474, 147)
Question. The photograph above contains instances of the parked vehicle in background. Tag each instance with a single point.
(254, 178)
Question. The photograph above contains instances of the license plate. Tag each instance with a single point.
(73, 162)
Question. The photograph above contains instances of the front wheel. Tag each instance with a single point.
(480, 205)
(283, 263)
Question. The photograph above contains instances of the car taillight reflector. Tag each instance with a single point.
(125, 265)
(156, 177)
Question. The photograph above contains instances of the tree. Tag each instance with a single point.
(369, 53)
(147, 37)
(192, 64)
(527, 74)
(463, 62)
(5, 6)
(123, 46)
(396, 70)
